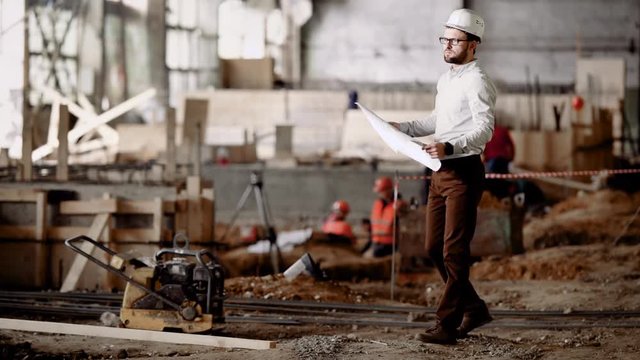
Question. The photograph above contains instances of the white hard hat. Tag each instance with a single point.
(468, 21)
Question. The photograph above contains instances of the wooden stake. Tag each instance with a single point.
(194, 209)
(62, 170)
(170, 168)
(134, 335)
(27, 147)
(157, 220)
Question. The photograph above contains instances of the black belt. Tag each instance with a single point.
(460, 161)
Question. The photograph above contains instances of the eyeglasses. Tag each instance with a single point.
(454, 41)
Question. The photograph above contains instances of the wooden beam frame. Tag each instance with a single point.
(62, 168)
(89, 121)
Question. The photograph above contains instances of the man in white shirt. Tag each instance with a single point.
(462, 122)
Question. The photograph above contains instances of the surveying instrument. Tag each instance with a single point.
(255, 187)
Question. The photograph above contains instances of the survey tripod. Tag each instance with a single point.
(256, 187)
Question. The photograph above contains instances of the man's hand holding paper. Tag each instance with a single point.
(399, 141)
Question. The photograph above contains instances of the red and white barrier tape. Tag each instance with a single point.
(542, 174)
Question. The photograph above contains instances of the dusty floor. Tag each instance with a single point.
(586, 272)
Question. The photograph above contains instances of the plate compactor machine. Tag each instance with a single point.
(178, 288)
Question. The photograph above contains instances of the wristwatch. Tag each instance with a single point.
(448, 148)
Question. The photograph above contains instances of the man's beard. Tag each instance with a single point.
(456, 59)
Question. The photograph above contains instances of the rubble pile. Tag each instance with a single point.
(320, 347)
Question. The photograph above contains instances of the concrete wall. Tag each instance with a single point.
(364, 41)
(395, 42)
(303, 196)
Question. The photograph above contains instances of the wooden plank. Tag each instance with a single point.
(170, 167)
(40, 252)
(196, 156)
(109, 134)
(18, 195)
(80, 261)
(136, 235)
(27, 148)
(208, 210)
(90, 121)
(78, 207)
(144, 206)
(62, 170)
(181, 219)
(54, 122)
(111, 279)
(106, 234)
(65, 232)
(118, 235)
(111, 114)
(247, 73)
(21, 268)
(195, 113)
(195, 118)
(194, 208)
(157, 220)
(20, 232)
(134, 334)
(41, 217)
(26, 103)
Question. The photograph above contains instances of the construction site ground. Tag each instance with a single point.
(583, 255)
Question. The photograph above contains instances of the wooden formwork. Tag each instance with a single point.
(36, 257)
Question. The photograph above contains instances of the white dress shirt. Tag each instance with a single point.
(464, 111)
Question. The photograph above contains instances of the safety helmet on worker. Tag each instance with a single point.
(468, 21)
(383, 183)
(341, 206)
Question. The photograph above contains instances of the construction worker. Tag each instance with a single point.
(336, 224)
(382, 217)
(497, 155)
(462, 123)
(499, 151)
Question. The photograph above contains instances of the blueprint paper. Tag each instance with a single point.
(399, 141)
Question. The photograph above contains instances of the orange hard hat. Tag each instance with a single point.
(341, 206)
(382, 183)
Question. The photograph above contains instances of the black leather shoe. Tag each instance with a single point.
(473, 321)
(438, 335)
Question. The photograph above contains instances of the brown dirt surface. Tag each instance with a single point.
(300, 288)
(591, 274)
(601, 217)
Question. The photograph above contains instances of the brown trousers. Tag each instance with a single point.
(454, 195)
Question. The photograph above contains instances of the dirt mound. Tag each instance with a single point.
(586, 262)
(600, 217)
(519, 267)
(301, 288)
(599, 201)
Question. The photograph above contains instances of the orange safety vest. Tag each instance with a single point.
(382, 222)
(338, 227)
